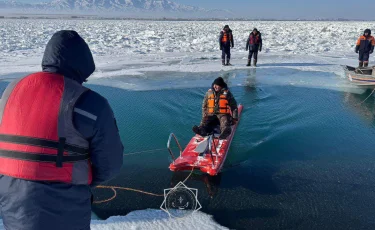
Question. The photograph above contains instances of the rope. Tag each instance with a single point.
(113, 188)
(367, 97)
(146, 151)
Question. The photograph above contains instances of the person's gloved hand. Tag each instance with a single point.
(356, 51)
(260, 50)
(247, 49)
(232, 46)
(371, 51)
(221, 48)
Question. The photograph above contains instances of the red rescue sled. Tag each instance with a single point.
(207, 154)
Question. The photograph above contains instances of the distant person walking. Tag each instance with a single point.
(254, 44)
(365, 47)
(226, 43)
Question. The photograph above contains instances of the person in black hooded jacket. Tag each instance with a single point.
(219, 107)
(226, 43)
(44, 205)
(254, 44)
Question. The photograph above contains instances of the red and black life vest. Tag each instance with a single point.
(254, 39)
(218, 105)
(226, 37)
(38, 140)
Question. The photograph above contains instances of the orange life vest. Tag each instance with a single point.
(225, 37)
(220, 106)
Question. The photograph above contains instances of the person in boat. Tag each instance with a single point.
(219, 108)
(254, 44)
(226, 43)
(365, 47)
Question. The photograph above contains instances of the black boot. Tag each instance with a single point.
(248, 62)
(228, 62)
(255, 62)
(226, 132)
(365, 64)
(360, 64)
(199, 130)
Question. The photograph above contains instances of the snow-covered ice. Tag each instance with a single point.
(138, 49)
(154, 220)
(133, 48)
(110, 37)
(157, 219)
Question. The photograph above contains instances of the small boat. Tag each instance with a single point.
(206, 154)
(364, 76)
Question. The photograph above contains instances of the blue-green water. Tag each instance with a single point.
(302, 157)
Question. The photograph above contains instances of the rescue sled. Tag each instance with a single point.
(206, 154)
(364, 76)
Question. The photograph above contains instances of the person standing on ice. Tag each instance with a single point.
(217, 107)
(58, 139)
(226, 43)
(254, 44)
(365, 47)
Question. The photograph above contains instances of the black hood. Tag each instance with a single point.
(219, 81)
(68, 54)
(367, 31)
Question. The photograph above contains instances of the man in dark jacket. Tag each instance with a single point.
(365, 47)
(30, 204)
(254, 44)
(226, 42)
(219, 107)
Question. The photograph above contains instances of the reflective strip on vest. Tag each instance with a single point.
(38, 140)
(220, 107)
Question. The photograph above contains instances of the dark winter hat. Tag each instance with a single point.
(220, 82)
(367, 31)
(226, 26)
(255, 29)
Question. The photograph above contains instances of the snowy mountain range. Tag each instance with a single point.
(105, 6)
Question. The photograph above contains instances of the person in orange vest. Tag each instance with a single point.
(219, 107)
(254, 44)
(58, 139)
(365, 46)
(226, 43)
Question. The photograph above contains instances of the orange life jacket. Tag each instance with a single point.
(219, 106)
(225, 37)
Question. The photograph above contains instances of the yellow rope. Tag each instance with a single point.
(113, 188)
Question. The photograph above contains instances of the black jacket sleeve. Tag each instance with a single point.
(247, 43)
(231, 39)
(106, 149)
(260, 41)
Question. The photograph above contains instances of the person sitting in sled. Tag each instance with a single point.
(219, 107)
